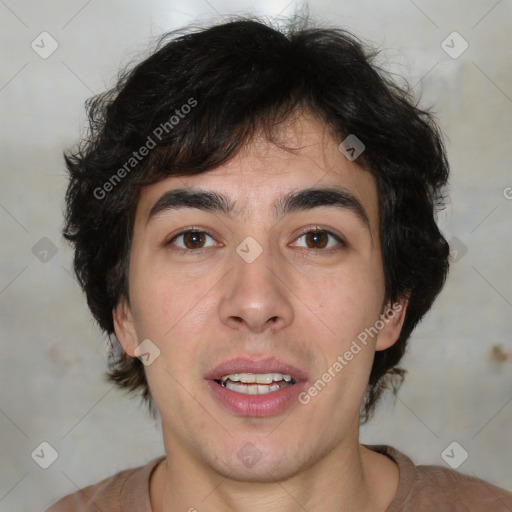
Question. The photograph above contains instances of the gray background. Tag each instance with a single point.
(459, 386)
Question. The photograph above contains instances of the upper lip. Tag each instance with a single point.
(252, 365)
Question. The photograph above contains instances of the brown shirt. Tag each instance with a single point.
(420, 489)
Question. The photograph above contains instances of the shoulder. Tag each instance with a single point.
(130, 486)
(436, 487)
(463, 490)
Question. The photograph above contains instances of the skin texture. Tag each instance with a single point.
(301, 304)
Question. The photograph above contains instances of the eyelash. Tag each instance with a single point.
(314, 229)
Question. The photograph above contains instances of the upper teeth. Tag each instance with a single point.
(257, 378)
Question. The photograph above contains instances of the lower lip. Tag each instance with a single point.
(256, 405)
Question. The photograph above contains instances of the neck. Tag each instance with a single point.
(350, 477)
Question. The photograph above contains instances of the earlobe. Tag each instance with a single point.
(393, 318)
(124, 327)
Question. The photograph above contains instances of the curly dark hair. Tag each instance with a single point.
(221, 84)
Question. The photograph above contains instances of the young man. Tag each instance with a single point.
(253, 218)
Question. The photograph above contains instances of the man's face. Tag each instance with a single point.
(263, 288)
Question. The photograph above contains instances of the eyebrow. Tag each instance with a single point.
(296, 200)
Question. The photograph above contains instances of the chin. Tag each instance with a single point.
(266, 472)
(260, 462)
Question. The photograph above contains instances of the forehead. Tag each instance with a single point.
(305, 155)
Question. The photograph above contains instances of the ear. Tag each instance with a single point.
(124, 326)
(392, 317)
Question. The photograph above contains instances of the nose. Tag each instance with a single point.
(255, 295)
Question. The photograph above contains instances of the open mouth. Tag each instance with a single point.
(256, 389)
(252, 387)
(255, 383)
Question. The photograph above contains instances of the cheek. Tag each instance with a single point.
(346, 302)
(165, 301)
(186, 310)
(175, 316)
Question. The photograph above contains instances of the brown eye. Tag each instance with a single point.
(317, 239)
(191, 240)
(320, 239)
